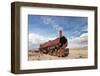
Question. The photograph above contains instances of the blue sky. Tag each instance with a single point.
(48, 26)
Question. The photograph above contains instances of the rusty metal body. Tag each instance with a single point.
(53, 47)
(50, 43)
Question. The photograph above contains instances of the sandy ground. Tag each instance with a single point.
(73, 54)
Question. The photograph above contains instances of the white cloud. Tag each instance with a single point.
(79, 42)
(84, 35)
(52, 23)
(35, 40)
(47, 20)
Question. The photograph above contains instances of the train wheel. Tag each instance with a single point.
(66, 51)
(58, 53)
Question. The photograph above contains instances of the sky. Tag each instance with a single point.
(43, 28)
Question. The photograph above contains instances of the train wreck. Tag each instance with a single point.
(56, 47)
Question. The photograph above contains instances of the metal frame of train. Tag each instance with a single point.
(56, 47)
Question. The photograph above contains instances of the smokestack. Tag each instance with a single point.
(60, 33)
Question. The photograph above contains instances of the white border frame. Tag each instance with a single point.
(25, 64)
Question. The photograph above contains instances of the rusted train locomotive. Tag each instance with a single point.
(56, 47)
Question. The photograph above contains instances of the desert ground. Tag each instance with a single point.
(73, 54)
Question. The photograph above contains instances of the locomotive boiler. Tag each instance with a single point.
(56, 47)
